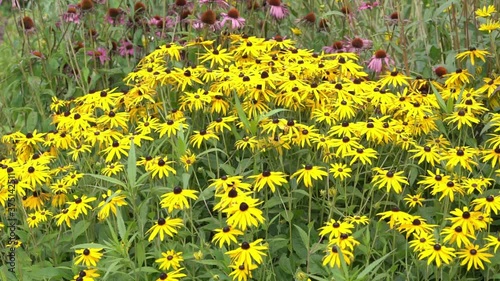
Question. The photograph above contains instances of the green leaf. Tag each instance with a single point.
(303, 235)
(31, 121)
(79, 228)
(108, 179)
(90, 246)
(442, 104)
(122, 230)
(371, 267)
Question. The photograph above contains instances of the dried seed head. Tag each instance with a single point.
(27, 23)
(139, 7)
(311, 17)
(440, 71)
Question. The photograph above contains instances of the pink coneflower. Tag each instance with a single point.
(207, 19)
(368, 5)
(336, 47)
(378, 60)
(115, 16)
(100, 53)
(357, 44)
(219, 3)
(72, 14)
(233, 16)
(126, 48)
(277, 9)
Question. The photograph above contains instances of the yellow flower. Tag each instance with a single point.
(485, 11)
(439, 254)
(244, 214)
(248, 253)
(389, 180)
(333, 257)
(490, 25)
(226, 235)
(414, 200)
(473, 255)
(472, 53)
(88, 256)
(164, 226)
(271, 179)
(309, 173)
(171, 259)
(178, 199)
(296, 31)
(110, 202)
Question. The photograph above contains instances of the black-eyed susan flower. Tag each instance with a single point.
(356, 220)
(171, 127)
(416, 225)
(332, 258)
(335, 228)
(473, 53)
(414, 200)
(226, 235)
(177, 199)
(86, 275)
(340, 171)
(458, 78)
(429, 154)
(163, 226)
(110, 202)
(395, 216)
(309, 173)
(247, 143)
(466, 219)
(437, 253)
(171, 259)
(457, 235)
(248, 253)
(88, 256)
(474, 255)
(487, 204)
(160, 167)
(449, 190)
(493, 242)
(365, 155)
(112, 169)
(490, 26)
(245, 213)
(462, 156)
(389, 180)
(35, 201)
(269, 178)
(242, 272)
(422, 241)
(175, 275)
(217, 56)
(462, 118)
(188, 159)
(199, 137)
(394, 78)
(80, 205)
(117, 149)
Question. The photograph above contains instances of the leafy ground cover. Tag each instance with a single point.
(250, 140)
